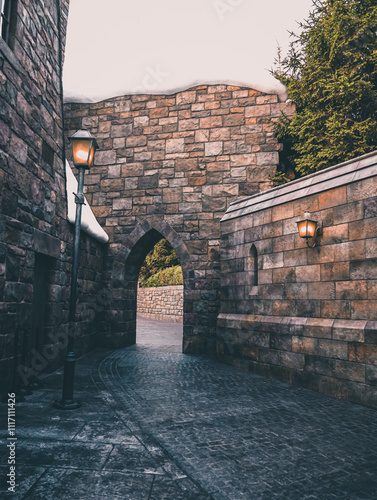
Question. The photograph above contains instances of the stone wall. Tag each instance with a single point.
(175, 162)
(162, 302)
(307, 316)
(36, 240)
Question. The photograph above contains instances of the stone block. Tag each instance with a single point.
(159, 112)
(272, 230)
(257, 110)
(122, 204)
(273, 260)
(209, 229)
(284, 275)
(281, 342)
(304, 345)
(318, 328)
(105, 157)
(321, 291)
(370, 332)
(240, 160)
(362, 189)
(293, 258)
(370, 248)
(371, 374)
(175, 145)
(191, 124)
(186, 165)
(124, 130)
(18, 149)
(334, 367)
(336, 309)
(364, 309)
(211, 122)
(279, 307)
(335, 271)
(264, 159)
(136, 141)
(321, 254)
(352, 290)
(370, 207)
(363, 269)
(366, 228)
(362, 353)
(233, 120)
(350, 250)
(348, 213)
(348, 330)
(332, 198)
(213, 148)
(306, 274)
(334, 234)
(296, 291)
(186, 97)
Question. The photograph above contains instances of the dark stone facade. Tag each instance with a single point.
(35, 238)
(310, 318)
(172, 165)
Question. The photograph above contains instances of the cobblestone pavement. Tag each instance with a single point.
(157, 424)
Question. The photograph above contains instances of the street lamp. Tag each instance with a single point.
(308, 228)
(83, 149)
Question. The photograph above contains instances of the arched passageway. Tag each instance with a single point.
(122, 313)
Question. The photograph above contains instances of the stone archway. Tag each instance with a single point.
(123, 284)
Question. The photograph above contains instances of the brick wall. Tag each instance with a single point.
(162, 302)
(311, 319)
(176, 162)
(34, 234)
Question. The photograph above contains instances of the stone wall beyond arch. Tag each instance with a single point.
(182, 158)
(120, 315)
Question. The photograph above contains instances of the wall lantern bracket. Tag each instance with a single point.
(309, 228)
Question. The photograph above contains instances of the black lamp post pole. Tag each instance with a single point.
(67, 402)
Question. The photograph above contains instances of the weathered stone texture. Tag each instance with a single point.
(319, 303)
(33, 201)
(181, 159)
(162, 302)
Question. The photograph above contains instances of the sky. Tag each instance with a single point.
(119, 47)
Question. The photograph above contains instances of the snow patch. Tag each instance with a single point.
(89, 223)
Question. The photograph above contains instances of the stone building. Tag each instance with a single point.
(193, 168)
(305, 315)
(169, 166)
(35, 237)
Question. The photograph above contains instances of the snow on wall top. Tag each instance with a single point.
(89, 223)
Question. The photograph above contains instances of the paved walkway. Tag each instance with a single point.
(157, 424)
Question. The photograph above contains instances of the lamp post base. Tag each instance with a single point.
(67, 405)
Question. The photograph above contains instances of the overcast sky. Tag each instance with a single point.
(118, 47)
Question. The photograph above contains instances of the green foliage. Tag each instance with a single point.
(161, 257)
(169, 276)
(331, 75)
(278, 179)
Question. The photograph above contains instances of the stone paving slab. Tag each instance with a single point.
(157, 424)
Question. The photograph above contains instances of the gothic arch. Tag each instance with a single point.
(124, 276)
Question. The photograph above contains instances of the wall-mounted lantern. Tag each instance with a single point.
(309, 228)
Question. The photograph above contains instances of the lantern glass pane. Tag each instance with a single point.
(302, 229)
(311, 228)
(80, 149)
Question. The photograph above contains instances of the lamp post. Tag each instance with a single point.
(83, 149)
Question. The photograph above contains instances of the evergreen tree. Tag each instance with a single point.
(161, 257)
(331, 75)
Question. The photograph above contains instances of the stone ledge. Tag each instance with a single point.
(339, 175)
(335, 329)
